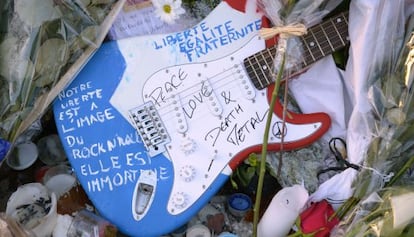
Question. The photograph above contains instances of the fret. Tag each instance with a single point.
(267, 62)
(321, 40)
(339, 34)
(271, 52)
(260, 68)
(252, 73)
(339, 23)
(307, 54)
(262, 73)
(309, 41)
(304, 62)
(327, 38)
(267, 67)
(343, 28)
(334, 35)
(309, 51)
(317, 43)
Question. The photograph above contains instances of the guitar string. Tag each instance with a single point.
(226, 76)
(334, 29)
(337, 32)
(322, 46)
(314, 53)
(323, 42)
(327, 37)
(197, 85)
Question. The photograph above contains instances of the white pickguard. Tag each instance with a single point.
(212, 139)
(210, 109)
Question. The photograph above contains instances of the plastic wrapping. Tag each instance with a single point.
(389, 119)
(289, 14)
(43, 44)
(379, 134)
(11, 228)
(382, 126)
(383, 213)
(138, 18)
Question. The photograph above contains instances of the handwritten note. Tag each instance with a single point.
(106, 162)
(202, 39)
(138, 18)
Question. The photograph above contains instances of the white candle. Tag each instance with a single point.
(282, 212)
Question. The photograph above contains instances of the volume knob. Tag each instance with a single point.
(187, 173)
(188, 145)
(179, 200)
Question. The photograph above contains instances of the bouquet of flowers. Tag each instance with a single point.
(382, 213)
(289, 18)
(43, 43)
(390, 151)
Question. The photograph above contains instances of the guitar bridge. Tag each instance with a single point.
(147, 122)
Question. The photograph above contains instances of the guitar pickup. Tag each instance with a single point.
(147, 122)
(179, 117)
(213, 103)
(246, 87)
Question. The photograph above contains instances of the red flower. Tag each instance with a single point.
(318, 219)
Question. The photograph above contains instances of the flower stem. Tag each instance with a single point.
(346, 207)
(402, 171)
(262, 170)
(296, 234)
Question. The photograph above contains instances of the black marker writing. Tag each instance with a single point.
(159, 94)
(227, 97)
(279, 130)
(238, 129)
(198, 98)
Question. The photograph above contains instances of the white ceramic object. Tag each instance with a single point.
(59, 180)
(198, 230)
(51, 151)
(22, 156)
(282, 212)
(34, 207)
(62, 225)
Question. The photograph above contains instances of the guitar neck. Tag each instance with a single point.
(320, 41)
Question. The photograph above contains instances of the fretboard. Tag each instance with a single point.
(320, 41)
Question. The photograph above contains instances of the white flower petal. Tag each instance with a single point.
(175, 12)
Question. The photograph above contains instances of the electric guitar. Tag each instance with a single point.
(154, 125)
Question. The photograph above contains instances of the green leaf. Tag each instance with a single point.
(408, 231)
(233, 183)
(52, 55)
(252, 160)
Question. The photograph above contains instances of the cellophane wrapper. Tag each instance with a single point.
(287, 12)
(43, 44)
(386, 212)
(389, 127)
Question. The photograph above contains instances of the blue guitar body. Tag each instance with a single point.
(109, 156)
(153, 126)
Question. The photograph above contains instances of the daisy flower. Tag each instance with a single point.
(168, 10)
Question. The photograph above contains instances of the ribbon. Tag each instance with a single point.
(296, 29)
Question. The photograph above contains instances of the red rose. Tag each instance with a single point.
(318, 219)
